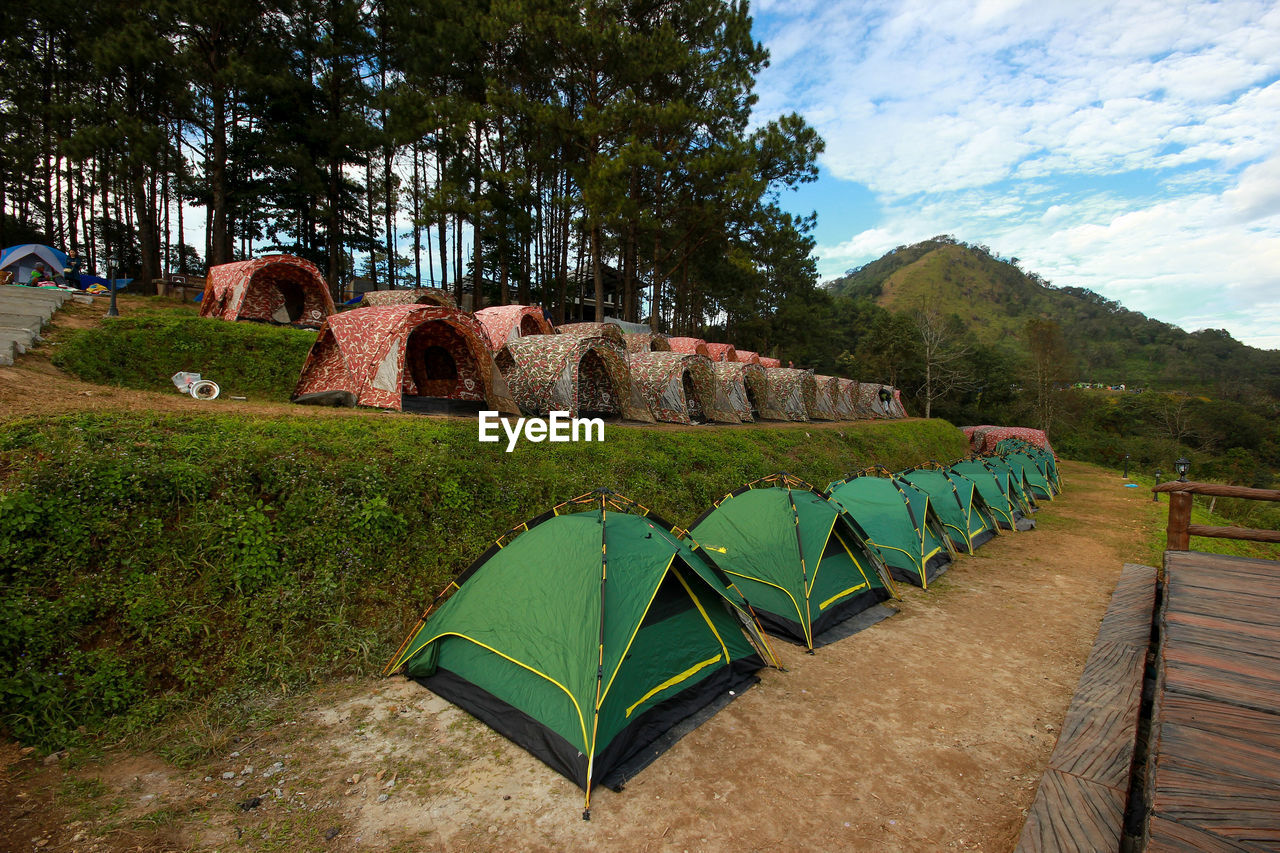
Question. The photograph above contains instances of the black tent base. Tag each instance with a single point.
(843, 620)
(854, 624)
(937, 565)
(983, 538)
(440, 405)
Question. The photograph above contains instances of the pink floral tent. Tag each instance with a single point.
(769, 362)
(279, 289)
(409, 296)
(693, 345)
(573, 373)
(746, 356)
(872, 401)
(681, 388)
(380, 356)
(647, 342)
(849, 398)
(722, 352)
(983, 439)
(787, 392)
(504, 323)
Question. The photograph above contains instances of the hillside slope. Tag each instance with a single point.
(994, 298)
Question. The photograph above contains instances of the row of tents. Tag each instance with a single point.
(404, 348)
(589, 633)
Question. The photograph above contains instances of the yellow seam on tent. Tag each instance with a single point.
(674, 680)
(813, 581)
(823, 605)
(632, 639)
(785, 592)
(581, 721)
(705, 617)
(857, 565)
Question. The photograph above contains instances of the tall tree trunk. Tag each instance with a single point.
(220, 239)
(596, 276)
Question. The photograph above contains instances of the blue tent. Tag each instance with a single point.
(22, 260)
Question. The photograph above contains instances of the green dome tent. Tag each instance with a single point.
(900, 523)
(584, 636)
(1025, 466)
(1019, 487)
(799, 560)
(998, 491)
(968, 520)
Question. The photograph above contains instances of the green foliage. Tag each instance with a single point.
(150, 564)
(144, 350)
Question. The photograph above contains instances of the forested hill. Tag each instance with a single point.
(994, 298)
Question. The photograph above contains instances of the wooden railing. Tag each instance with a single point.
(1181, 529)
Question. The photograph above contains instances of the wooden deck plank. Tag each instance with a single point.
(1072, 815)
(1215, 783)
(1080, 803)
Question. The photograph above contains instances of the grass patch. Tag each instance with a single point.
(143, 350)
(155, 563)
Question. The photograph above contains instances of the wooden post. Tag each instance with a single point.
(1178, 538)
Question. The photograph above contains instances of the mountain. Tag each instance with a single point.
(994, 298)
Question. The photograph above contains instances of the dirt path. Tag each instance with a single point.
(926, 732)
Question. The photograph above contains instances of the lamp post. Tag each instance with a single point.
(1126, 466)
(111, 282)
(1155, 496)
(1183, 465)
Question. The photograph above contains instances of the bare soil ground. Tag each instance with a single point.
(928, 731)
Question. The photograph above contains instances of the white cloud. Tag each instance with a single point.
(1127, 147)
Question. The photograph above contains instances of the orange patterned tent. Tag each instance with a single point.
(612, 331)
(572, 373)
(841, 406)
(382, 356)
(504, 323)
(410, 296)
(817, 400)
(279, 289)
(722, 352)
(693, 345)
(769, 362)
(787, 391)
(983, 439)
(746, 356)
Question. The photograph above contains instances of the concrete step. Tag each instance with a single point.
(24, 312)
(14, 342)
(34, 322)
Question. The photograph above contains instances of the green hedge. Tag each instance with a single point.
(149, 561)
(144, 350)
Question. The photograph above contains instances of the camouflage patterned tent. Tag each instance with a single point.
(746, 356)
(694, 345)
(681, 388)
(382, 356)
(732, 382)
(786, 392)
(769, 362)
(849, 398)
(722, 352)
(612, 331)
(870, 400)
(504, 323)
(572, 373)
(841, 408)
(278, 289)
(817, 400)
(983, 439)
(647, 342)
(409, 296)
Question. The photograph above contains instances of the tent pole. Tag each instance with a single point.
(595, 716)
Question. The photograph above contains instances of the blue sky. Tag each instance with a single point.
(1132, 148)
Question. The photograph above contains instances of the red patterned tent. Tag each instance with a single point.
(983, 439)
(410, 296)
(381, 356)
(612, 331)
(733, 384)
(693, 345)
(722, 352)
(572, 373)
(681, 388)
(769, 362)
(278, 289)
(787, 392)
(647, 342)
(746, 356)
(504, 323)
